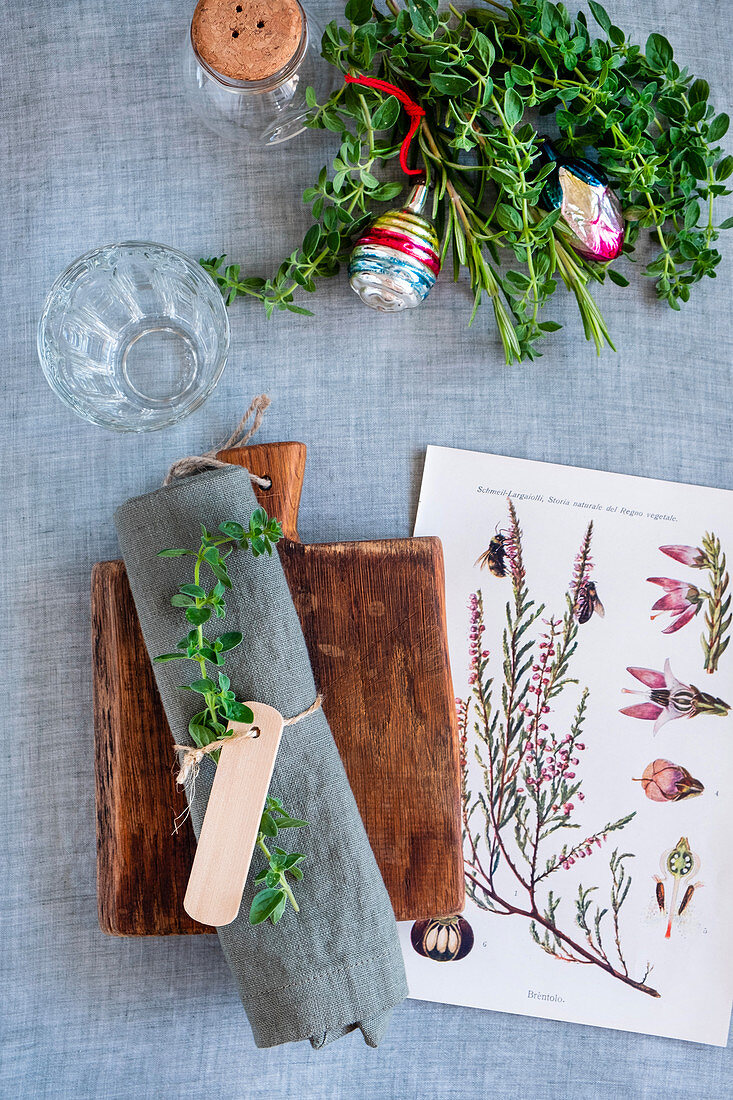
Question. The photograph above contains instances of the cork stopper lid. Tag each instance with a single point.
(246, 39)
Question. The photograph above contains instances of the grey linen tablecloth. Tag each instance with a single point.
(98, 144)
(336, 965)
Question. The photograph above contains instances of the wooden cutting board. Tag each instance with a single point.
(373, 616)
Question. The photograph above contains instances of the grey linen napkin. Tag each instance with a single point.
(336, 965)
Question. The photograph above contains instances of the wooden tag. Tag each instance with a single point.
(232, 819)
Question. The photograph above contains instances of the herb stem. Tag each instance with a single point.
(208, 699)
(284, 885)
(523, 190)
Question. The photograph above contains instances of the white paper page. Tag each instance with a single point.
(464, 501)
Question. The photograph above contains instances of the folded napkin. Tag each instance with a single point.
(337, 964)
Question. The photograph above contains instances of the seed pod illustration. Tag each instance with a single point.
(442, 939)
(663, 781)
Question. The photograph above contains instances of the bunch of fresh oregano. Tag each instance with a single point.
(493, 80)
(221, 704)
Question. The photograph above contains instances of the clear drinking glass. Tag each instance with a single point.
(266, 111)
(133, 336)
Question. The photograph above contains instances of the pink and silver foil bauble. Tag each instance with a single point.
(589, 207)
(396, 261)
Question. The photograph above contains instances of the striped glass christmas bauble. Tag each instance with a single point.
(396, 261)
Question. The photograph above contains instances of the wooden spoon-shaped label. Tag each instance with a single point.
(232, 819)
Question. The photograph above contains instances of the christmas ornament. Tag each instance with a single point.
(589, 207)
(396, 261)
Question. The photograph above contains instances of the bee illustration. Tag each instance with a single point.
(495, 556)
(588, 602)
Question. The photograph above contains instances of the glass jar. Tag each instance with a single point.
(265, 111)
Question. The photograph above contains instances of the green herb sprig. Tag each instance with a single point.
(490, 80)
(221, 705)
(272, 899)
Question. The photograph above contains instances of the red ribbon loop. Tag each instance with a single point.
(414, 110)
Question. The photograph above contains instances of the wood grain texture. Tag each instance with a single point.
(373, 616)
(142, 866)
(284, 464)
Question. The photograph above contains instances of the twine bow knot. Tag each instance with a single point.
(192, 756)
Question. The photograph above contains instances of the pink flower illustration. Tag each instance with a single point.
(683, 600)
(668, 698)
(583, 565)
(688, 555)
(513, 547)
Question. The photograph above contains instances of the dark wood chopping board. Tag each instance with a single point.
(373, 616)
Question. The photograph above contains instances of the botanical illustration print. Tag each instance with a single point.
(684, 600)
(596, 754)
(531, 784)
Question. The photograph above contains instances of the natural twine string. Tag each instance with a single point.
(192, 756)
(194, 464)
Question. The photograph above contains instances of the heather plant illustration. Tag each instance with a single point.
(684, 600)
(520, 834)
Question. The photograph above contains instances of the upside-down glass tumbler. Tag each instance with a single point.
(133, 336)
